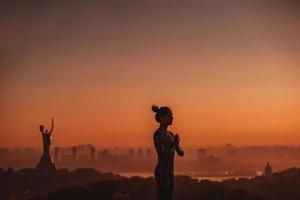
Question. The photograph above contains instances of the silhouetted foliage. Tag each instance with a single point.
(137, 188)
(91, 184)
(26, 183)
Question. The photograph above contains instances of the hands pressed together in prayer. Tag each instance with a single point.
(178, 149)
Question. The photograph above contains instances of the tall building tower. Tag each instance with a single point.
(131, 153)
(268, 171)
(201, 153)
(74, 154)
(92, 153)
(149, 152)
(140, 152)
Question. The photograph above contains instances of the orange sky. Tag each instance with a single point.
(230, 72)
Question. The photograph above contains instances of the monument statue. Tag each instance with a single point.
(46, 164)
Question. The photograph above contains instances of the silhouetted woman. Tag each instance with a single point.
(165, 144)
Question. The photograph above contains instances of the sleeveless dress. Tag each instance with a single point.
(164, 171)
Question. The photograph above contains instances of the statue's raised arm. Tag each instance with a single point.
(52, 125)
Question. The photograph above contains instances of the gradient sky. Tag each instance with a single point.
(230, 71)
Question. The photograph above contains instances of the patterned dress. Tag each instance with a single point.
(164, 171)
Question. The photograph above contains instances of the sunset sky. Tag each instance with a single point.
(229, 70)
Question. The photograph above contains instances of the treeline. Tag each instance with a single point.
(137, 188)
(27, 183)
(89, 184)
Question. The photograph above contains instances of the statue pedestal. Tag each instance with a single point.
(46, 165)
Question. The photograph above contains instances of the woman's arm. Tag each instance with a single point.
(161, 147)
(178, 149)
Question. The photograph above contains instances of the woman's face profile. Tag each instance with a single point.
(167, 119)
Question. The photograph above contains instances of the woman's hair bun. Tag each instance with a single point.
(155, 108)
